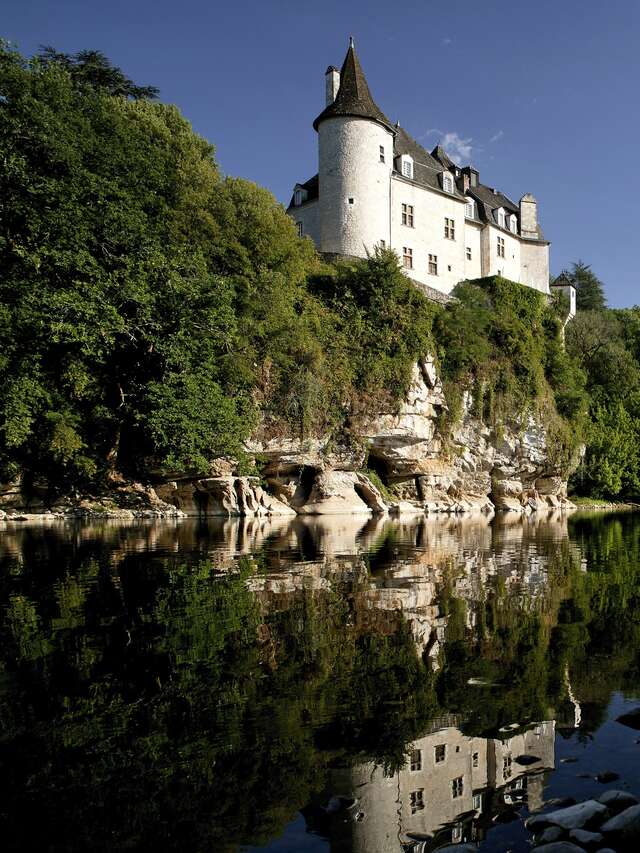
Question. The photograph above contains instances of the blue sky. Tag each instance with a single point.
(542, 97)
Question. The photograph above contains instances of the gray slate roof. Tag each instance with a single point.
(354, 97)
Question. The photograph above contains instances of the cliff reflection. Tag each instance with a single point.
(196, 686)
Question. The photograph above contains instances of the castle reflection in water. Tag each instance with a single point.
(453, 788)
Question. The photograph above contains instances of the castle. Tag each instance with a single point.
(376, 186)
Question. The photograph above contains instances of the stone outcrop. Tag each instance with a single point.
(473, 467)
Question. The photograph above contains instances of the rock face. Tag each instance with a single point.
(474, 467)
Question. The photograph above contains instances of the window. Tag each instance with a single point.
(441, 750)
(297, 198)
(382, 153)
(299, 229)
(475, 759)
(351, 200)
(501, 218)
(416, 800)
(447, 183)
(449, 229)
(477, 802)
(407, 166)
(506, 766)
(468, 253)
(513, 224)
(407, 258)
(501, 247)
(416, 760)
(456, 833)
(469, 209)
(383, 244)
(457, 787)
(433, 270)
(407, 215)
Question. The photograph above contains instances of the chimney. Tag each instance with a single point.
(332, 84)
(529, 217)
(473, 176)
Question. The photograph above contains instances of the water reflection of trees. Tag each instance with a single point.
(195, 686)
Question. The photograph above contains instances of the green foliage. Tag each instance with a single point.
(504, 343)
(589, 289)
(152, 308)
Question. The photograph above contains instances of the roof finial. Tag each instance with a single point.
(351, 44)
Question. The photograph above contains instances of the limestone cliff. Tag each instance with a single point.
(473, 467)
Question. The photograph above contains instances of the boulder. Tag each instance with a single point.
(559, 847)
(338, 492)
(586, 839)
(551, 833)
(624, 828)
(587, 815)
(618, 801)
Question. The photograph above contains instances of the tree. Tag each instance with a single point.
(92, 68)
(589, 289)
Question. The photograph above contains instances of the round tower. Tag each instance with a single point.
(355, 148)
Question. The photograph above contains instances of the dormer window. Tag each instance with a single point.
(299, 196)
(513, 224)
(469, 208)
(500, 217)
(406, 166)
(447, 182)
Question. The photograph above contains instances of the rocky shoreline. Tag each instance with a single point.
(400, 462)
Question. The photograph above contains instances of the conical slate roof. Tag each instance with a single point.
(354, 97)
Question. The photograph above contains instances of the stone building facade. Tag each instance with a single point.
(376, 186)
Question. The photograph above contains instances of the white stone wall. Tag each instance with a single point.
(350, 168)
(309, 215)
(427, 236)
(534, 261)
(492, 264)
(472, 239)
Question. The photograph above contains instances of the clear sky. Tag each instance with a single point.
(542, 97)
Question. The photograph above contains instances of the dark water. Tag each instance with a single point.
(332, 685)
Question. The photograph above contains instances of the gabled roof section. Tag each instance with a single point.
(354, 97)
(312, 187)
(492, 199)
(426, 169)
(441, 156)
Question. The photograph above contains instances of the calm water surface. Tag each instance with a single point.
(344, 685)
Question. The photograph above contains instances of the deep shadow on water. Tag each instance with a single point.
(336, 684)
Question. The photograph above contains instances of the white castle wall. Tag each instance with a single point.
(427, 235)
(473, 268)
(509, 266)
(534, 262)
(309, 215)
(350, 168)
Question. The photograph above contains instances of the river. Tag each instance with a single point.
(329, 684)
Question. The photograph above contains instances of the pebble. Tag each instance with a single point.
(607, 776)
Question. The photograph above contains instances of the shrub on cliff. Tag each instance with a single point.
(504, 341)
